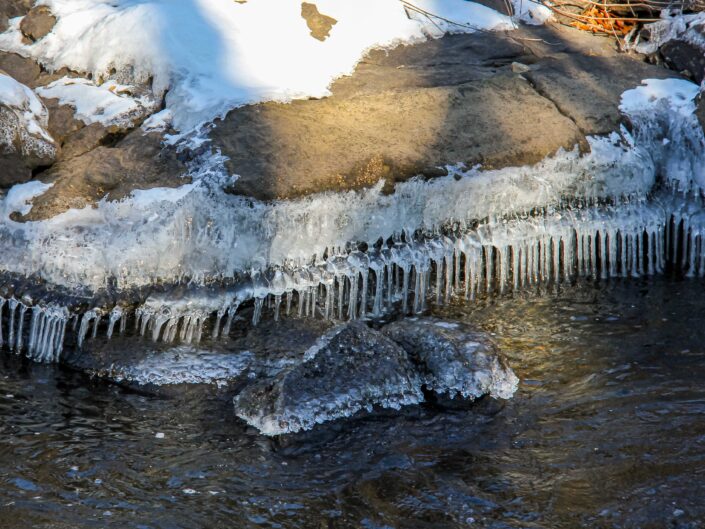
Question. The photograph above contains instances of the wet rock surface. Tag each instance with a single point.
(358, 369)
(496, 99)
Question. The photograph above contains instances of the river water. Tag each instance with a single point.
(607, 429)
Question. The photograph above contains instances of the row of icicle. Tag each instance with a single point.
(601, 243)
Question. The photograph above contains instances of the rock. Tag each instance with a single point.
(588, 88)
(495, 99)
(38, 23)
(62, 120)
(15, 8)
(138, 161)
(319, 24)
(454, 359)
(686, 56)
(358, 369)
(282, 151)
(22, 69)
(25, 145)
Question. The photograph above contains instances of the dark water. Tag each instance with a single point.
(606, 430)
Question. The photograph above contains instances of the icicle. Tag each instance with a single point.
(488, 268)
(277, 304)
(12, 303)
(448, 260)
(83, 328)
(439, 277)
(258, 311)
(2, 305)
(556, 255)
(405, 289)
(20, 324)
(115, 315)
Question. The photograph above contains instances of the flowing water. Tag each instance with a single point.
(606, 430)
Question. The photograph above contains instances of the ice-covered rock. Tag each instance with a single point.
(24, 142)
(455, 359)
(179, 365)
(357, 369)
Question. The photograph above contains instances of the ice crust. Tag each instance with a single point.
(455, 360)
(357, 369)
(180, 365)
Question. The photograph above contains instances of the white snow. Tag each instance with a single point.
(111, 103)
(26, 105)
(213, 55)
(18, 198)
(531, 12)
(679, 94)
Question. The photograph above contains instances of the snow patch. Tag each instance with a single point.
(19, 197)
(111, 103)
(678, 93)
(213, 55)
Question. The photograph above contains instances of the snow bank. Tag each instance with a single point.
(111, 103)
(213, 55)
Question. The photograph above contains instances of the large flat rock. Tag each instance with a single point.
(495, 99)
(285, 150)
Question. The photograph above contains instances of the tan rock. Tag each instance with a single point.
(38, 23)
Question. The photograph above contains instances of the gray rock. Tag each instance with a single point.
(686, 56)
(454, 359)
(356, 370)
(588, 89)
(38, 23)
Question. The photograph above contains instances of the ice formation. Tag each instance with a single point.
(454, 360)
(354, 368)
(673, 25)
(43, 328)
(629, 207)
(23, 117)
(180, 365)
(228, 58)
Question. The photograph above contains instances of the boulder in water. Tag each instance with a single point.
(454, 359)
(357, 369)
